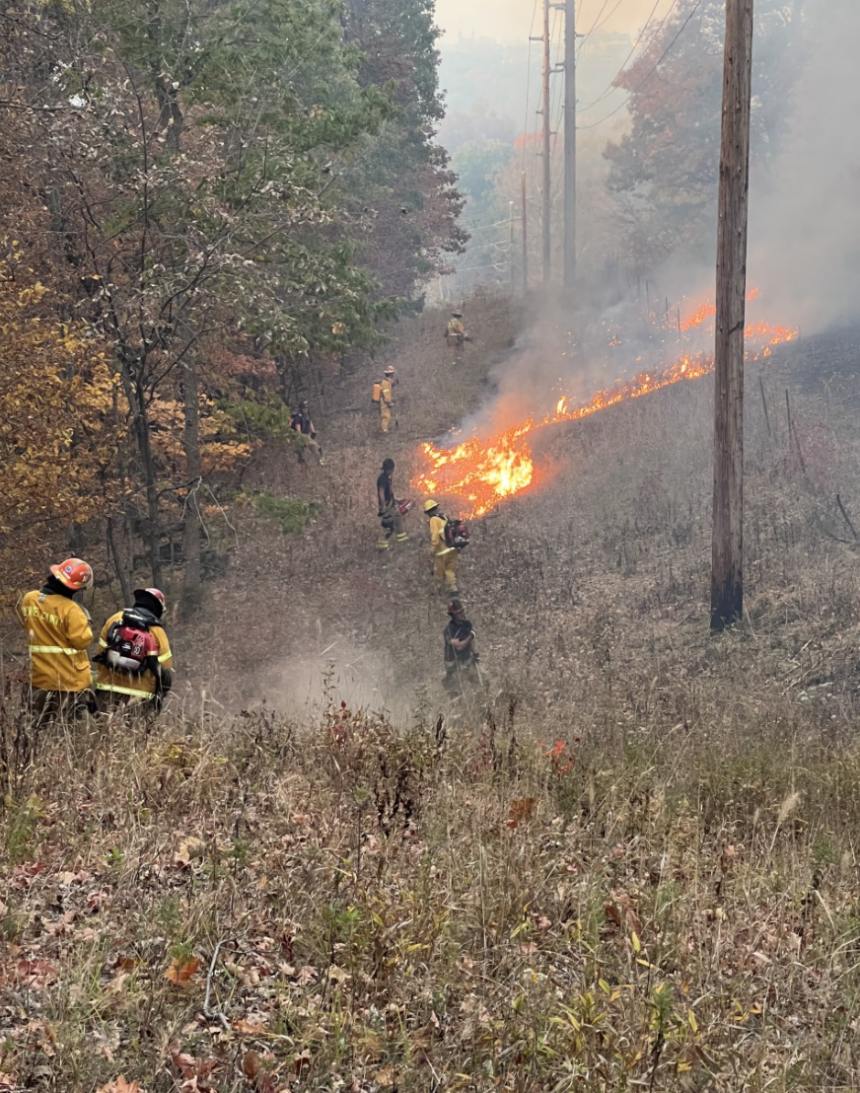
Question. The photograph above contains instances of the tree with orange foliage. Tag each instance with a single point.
(57, 432)
(665, 169)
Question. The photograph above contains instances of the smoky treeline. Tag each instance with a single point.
(648, 165)
(204, 205)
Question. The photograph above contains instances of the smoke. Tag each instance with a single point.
(302, 687)
(804, 253)
(805, 234)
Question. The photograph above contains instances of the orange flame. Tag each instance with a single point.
(708, 310)
(482, 472)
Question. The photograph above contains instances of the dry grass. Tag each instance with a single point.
(637, 868)
(356, 906)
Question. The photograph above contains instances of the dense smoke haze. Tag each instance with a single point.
(804, 253)
(805, 231)
(509, 20)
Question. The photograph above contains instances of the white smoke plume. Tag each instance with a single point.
(805, 234)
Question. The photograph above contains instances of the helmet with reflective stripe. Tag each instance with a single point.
(430, 504)
(152, 592)
(389, 370)
(73, 573)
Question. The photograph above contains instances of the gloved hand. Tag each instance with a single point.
(475, 658)
(313, 436)
(380, 514)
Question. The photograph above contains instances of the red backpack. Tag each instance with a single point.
(130, 644)
(457, 534)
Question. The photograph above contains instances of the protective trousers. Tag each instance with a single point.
(384, 415)
(445, 570)
(48, 707)
(392, 524)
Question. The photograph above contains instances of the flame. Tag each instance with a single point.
(708, 310)
(482, 472)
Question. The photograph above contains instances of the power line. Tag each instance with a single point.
(651, 71)
(528, 83)
(611, 87)
(597, 26)
(597, 17)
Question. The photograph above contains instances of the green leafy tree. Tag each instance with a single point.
(399, 189)
(189, 146)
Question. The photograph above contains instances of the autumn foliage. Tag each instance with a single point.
(58, 429)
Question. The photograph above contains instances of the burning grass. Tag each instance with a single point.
(482, 472)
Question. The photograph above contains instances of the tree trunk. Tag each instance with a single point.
(153, 530)
(119, 569)
(192, 586)
(134, 394)
(727, 543)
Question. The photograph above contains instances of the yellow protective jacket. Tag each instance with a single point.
(58, 636)
(386, 392)
(456, 331)
(437, 535)
(124, 683)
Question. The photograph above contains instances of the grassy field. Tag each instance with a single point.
(635, 866)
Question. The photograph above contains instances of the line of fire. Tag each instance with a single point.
(484, 471)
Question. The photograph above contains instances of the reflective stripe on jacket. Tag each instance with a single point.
(58, 635)
(124, 683)
(386, 393)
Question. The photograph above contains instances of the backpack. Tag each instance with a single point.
(130, 644)
(377, 392)
(457, 534)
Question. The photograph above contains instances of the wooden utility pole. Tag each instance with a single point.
(525, 213)
(569, 143)
(547, 150)
(727, 546)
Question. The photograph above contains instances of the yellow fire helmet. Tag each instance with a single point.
(430, 504)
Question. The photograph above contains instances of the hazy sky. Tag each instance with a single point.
(510, 20)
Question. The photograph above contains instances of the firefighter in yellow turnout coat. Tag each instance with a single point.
(444, 556)
(456, 336)
(383, 395)
(386, 398)
(147, 687)
(58, 636)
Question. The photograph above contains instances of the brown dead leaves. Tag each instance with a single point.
(182, 970)
(621, 910)
(120, 1085)
(521, 811)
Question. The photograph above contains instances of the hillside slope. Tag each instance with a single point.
(588, 590)
(636, 868)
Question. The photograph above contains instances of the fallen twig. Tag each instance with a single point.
(214, 1014)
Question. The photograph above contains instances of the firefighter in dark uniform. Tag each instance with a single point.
(388, 508)
(461, 653)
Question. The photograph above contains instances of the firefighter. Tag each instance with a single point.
(119, 682)
(301, 422)
(59, 633)
(456, 336)
(388, 508)
(386, 397)
(461, 654)
(444, 556)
